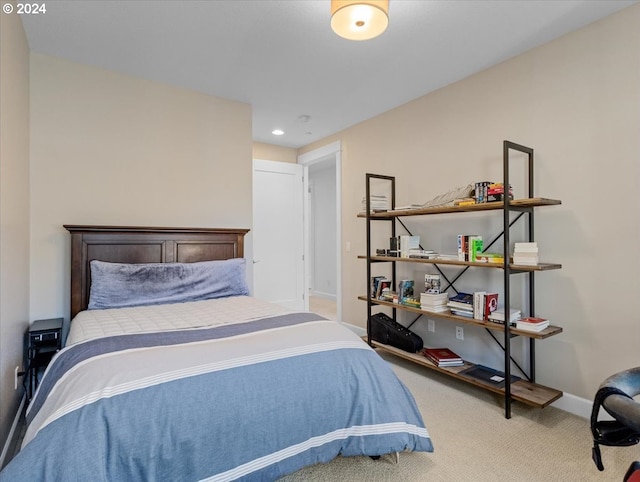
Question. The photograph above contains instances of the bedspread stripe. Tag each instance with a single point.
(341, 434)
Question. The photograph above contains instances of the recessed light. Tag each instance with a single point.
(277, 132)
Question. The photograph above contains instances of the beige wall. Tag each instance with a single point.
(14, 211)
(115, 150)
(576, 101)
(269, 152)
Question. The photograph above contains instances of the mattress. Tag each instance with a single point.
(177, 316)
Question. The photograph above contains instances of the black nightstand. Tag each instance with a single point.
(44, 339)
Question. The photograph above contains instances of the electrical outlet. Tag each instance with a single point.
(459, 333)
(431, 325)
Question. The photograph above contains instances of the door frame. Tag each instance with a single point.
(330, 152)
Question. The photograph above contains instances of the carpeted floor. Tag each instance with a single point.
(474, 442)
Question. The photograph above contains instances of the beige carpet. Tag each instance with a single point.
(323, 307)
(474, 442)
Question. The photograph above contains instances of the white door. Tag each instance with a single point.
(278, 234)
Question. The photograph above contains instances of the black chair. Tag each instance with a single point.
(615, 395)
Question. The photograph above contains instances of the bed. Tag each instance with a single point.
(198, 380)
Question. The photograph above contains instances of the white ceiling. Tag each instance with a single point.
(282, 57)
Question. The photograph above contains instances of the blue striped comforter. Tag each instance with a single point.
(248, 401)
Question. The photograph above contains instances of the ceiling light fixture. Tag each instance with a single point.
(359, 19)
(277, 132)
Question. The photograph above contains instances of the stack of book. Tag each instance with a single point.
(422, 253)
(434, 302)
(498, 316)
(531, 323)
(495, 192)
(487, 191)
(378, 203)
(525, 253)
(461, 304)
(443, 357)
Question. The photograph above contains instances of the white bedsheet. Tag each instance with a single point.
(179, 316)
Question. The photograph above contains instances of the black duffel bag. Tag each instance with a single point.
(385, 330)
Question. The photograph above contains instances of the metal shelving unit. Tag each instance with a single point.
(526, 391)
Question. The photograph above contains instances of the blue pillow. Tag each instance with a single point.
(119, 285)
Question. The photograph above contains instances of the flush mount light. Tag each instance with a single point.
(277, 132)
(359, 19)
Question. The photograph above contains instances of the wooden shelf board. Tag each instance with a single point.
(546, 333)
(516, 204)
(523, 391)
(452, 262)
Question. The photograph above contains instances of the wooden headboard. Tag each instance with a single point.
(131, 244)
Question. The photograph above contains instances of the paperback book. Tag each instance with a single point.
(531, 323)
(405, 289)
(432, 283)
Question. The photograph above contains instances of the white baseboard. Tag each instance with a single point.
(578, 406)
(569, 403)
(12, 432)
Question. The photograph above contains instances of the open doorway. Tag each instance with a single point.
(323, 215)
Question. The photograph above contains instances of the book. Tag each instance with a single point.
(408, 243)
(462, 247)
(405, 289)
(531, 323)
(466, 201)
(383, 285)
(526, 247)
(459, 312)
(525, 261)
(498, 197)
(474, 247)
(490, 304)
(462, 297)
(499, 315)
(490, 258)
(478, 304)
(443, 356)
(374, 284)
(410, 302)
(422, 253)
(449, 257)
(432, 283)
(461, 306)
(461, 301)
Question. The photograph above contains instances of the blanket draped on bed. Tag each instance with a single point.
(249, 401)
